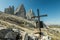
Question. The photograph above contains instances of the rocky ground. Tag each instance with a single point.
(12, 21)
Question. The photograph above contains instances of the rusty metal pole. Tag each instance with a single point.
(39, 22)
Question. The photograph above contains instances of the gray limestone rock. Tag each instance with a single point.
(20, 11)
(11, 35)
(9, 10)
(30, 14)
(25, 36)
(8, 34)
(32, 37)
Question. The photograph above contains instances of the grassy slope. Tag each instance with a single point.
(53, 34)
(12, 21)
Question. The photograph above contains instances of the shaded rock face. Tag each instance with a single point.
(8, 34)
(20, 11)
(9, 10)
(3, 32)
(30, 14)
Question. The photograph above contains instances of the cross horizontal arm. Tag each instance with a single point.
(39, 16)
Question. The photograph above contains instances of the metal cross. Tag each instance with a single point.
(39, 19)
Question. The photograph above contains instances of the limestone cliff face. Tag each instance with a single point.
(20, 11)
(30, 14)
(9, 10)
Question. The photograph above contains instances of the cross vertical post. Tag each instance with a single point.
(38, 18)
(39, 21)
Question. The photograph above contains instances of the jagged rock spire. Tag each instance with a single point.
(20, 11)
(30, 14)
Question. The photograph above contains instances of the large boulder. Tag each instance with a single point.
(9, 34)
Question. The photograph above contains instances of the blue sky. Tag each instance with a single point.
(49, 7)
